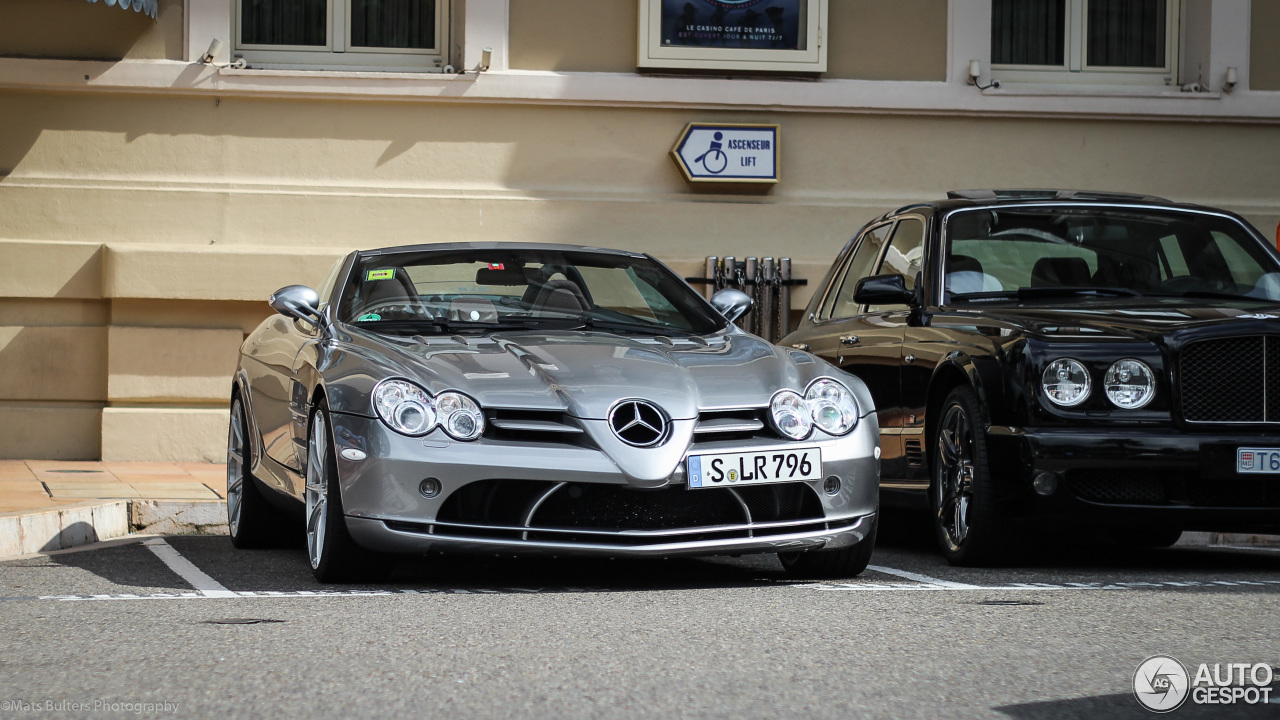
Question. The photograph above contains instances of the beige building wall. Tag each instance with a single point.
(142, 231)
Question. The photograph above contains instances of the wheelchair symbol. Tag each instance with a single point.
(714, 160)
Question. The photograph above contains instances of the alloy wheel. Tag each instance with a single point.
(953, 486)
(236, 454)
(317, 491)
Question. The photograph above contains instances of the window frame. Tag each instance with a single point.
(337, 53)
(652, 54)
(827, 308)
(1075, 67)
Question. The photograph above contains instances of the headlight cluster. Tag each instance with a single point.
(410, 410)
(1129, 384)
(826, 404)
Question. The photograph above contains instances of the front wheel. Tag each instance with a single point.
(335, 556)
(966, 520)
(843, 563)
(251, 521)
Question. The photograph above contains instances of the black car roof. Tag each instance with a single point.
(961, 199)
(454, 246)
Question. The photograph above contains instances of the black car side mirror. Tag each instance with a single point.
(883, 290)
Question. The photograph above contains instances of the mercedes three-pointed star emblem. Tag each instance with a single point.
(639, 423)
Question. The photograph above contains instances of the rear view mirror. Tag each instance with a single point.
(732, 304)
(883, 290)
(298, 302)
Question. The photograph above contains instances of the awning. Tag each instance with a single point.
(146, 6)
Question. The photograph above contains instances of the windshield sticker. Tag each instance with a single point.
(369, 317)
(497, 266)
(383, 274)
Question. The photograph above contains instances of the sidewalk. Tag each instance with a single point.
(52, 505)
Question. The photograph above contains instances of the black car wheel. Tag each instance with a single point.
(966, 520)
(252, 522)
(335, 556)
(843, 563)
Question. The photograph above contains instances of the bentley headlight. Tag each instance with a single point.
(1066, 382)
(832, 406)
(1130, 384)
(460, 416)
(404, 407)
(790, 414)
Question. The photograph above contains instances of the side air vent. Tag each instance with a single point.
(915, 453)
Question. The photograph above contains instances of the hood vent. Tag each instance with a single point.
(725, 424)
(551, 426)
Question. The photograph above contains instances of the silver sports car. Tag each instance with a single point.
(512, 397)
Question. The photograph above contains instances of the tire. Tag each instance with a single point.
(966, 519)
(251, 521)
(335, 557)
(1145, 537)
(846, 562)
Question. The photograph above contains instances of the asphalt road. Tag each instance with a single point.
(118, 632)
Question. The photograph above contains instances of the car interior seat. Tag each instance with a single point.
(1061, 272)
(396, 289)
(560, 295)
(965, 275)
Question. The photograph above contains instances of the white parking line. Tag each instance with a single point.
(194, 576)
(922, 578)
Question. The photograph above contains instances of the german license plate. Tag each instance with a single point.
(754, 468)
(1258, 460)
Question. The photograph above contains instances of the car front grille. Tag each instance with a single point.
(621, 515)
(1232, 380)
(1171, 488)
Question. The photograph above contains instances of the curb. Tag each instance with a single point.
(1228, 539)
(26, 533)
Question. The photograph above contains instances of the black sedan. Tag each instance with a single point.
(1063, 360)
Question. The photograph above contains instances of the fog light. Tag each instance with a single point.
(1046, 483)
(832, 485)
(429, 487)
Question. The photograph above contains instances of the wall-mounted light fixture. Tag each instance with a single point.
(975, 72)
(211, 55)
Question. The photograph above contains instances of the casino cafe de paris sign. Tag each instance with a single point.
(728, 153)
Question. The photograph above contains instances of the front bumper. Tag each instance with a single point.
(1138, 476)
(569, 497)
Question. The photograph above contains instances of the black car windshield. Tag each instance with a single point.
(449, 291)
(1054, 252)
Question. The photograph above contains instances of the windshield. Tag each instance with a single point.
(1022, 253)
(458, 290)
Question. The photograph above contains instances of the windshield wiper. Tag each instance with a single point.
(1210, 294)
(594, 323)
(1032, 293)
(441, 326)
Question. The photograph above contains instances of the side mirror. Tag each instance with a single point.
(732, 304)
(299, 302)
(883, 290)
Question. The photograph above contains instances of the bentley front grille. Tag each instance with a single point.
(1232, 380)
(1167, 487)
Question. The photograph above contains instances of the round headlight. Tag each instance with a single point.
(1066, 382)
(404, 407)
(1130, 384)
(791, 415)
(460, 416)
(832, 406)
